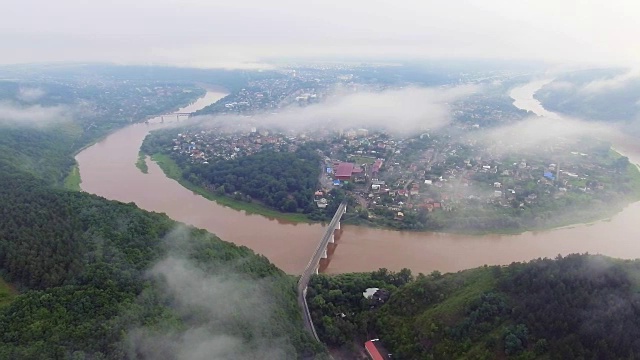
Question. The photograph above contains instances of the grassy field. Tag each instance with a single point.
(142, 163)
(171, 170)
(7, 293)
(477, 281)
(73, 180)
(362, 160)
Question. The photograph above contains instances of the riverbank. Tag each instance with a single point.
(142, 163)
(587, 220)
(73, 179)
(589, 214)
(173, 171)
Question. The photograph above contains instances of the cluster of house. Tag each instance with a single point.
(441, 177)
(126, 100)
(340, 173)
(206, 145)
(438, 177)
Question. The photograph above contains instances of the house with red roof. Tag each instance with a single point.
(344, 171)
(376, 351)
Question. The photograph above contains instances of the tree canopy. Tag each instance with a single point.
(579, 306)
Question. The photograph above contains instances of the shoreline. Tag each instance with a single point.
(74, 171)
(171, 170)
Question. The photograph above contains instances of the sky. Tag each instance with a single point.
(242, 33)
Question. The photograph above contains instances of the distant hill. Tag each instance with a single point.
(579, 306)
(604, 95)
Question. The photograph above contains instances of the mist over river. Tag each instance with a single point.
(108, 169)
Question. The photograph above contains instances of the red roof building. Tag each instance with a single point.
(375, 350)
(376, 167)
(344, 171)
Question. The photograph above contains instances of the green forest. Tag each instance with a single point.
(573, 307)
(283, 181)
(88, 278)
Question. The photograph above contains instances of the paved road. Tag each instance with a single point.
(310, 270)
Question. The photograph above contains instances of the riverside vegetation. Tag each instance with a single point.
(82, 264)
(437, 182)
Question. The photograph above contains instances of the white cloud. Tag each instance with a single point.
(559, 85)
(219, 32)
(219, 309)
(536, 133)
(28, 94)
(614, 83)
(398, 111)
(33, 115)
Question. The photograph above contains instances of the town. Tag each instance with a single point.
(450, 178)
(431, 180)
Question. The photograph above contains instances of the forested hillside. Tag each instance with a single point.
(84, 266)
(99, 279)
(605, 95)
(579, 306)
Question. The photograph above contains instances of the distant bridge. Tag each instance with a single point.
(314, 266)
(177, 114)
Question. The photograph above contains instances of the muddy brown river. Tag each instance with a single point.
(108, 169)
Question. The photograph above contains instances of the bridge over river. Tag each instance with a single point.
(314, 265)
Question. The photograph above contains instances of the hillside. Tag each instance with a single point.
(97, 274)
(603, 95)
(579, 306)
(100, 279)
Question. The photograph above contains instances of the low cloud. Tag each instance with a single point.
(559, 85)
(614, 83)
(33, 115)
(220, 313)
(402, 111)
(30, 94)
(537, 133)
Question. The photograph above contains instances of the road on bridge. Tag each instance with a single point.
(311, 269)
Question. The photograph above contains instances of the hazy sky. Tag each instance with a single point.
(213, 33)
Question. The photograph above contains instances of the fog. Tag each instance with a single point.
(213, 34)
(538, 133)
(614, 83)
(225, 315)
(33, 115)
(398, 111)
(29, 95)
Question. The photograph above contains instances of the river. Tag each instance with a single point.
(108, 169)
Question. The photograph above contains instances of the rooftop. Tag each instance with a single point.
(376, 350)
(344, 169)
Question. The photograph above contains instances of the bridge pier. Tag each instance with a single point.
(332, 239)
(338, 226)
(324, 254)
